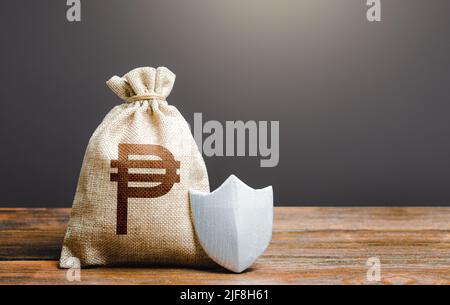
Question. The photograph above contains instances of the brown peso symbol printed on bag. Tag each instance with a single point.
(122, 177)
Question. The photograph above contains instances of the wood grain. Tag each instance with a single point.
(309, 246)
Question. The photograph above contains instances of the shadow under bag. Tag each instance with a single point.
(131, 204)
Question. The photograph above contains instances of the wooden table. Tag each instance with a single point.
(309, 246)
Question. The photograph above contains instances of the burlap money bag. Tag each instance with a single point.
(131, 204)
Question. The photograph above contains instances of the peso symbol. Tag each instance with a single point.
(166, 180)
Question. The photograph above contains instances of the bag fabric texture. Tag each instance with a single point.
(131, 205)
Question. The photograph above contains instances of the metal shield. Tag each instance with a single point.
(233, 223)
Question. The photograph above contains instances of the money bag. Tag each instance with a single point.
(131, 204)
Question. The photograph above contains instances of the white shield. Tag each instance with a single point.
(233, 223)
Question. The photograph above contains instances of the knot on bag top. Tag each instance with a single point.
(144, 83)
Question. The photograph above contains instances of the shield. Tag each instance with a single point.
(233, 223)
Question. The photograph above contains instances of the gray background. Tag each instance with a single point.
(363, 107)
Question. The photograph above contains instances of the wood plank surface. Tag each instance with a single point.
(310, 245)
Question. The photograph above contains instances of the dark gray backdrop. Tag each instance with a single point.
(363, 107)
